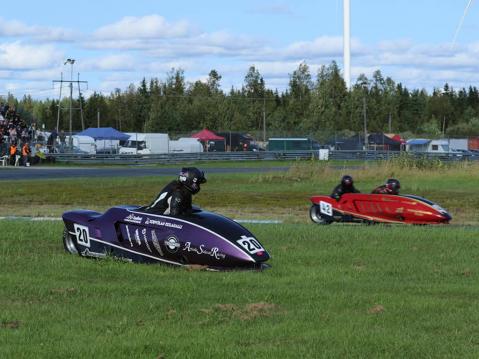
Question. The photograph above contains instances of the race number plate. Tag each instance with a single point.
(82, 235)
(326, 208)
(251, 245)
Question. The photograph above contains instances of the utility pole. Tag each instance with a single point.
(80, 102)
(389, 123)
(70, 83)
(71, 62)
(365, 118)
(264, 120)
(59, 100)
(98, 118)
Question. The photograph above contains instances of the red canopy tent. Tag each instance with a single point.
(206, 135)
(399, 139)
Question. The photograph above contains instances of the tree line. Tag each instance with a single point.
(318, 106)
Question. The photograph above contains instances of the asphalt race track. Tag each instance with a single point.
(35, 173)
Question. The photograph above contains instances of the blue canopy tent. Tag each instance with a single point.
(104, 134)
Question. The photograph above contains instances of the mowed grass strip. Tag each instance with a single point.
(334, 291)
(276, 195)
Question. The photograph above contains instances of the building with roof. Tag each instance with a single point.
(428, 146)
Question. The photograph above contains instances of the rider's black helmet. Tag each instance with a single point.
(191, 178)
(347, 181)
(393, 184)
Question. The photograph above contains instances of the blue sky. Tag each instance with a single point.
(116, 43)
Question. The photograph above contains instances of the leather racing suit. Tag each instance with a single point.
(175, 199)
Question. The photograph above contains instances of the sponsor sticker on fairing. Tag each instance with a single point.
(137, 237)
(133, 219)
(160, 222)
(202, 249)
(129, 235)
(172, 244)
(88, 253)
(156, 243)
(143, 232)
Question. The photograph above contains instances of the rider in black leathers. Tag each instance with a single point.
(392, 186)
(346, 186)
(176, 198)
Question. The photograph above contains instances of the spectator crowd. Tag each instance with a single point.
(15, 137)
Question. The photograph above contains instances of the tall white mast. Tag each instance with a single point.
(347, 42)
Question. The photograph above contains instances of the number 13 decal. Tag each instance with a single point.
(250, 244)
(82, 235)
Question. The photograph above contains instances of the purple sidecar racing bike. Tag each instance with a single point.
(127, 232)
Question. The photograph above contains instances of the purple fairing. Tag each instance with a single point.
(201, 238)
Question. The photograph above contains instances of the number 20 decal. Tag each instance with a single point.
(82, 235)
(250, 244)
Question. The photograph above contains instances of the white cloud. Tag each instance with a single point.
(6, 74)
(395, 45)
(17, 56)
(15, 28)
(219, 43)
(146, 27)
(45, 75)
(323, 46)
(116, 62)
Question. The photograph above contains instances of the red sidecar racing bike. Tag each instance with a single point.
(377, 208)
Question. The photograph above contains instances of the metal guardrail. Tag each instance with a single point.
(243, 156)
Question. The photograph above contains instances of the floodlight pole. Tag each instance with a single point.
(71, 101)
(347, 42)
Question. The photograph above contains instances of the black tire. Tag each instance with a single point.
(69, 242)
(316, 217)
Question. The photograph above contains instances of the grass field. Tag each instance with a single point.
(342, 291)
(337, 291)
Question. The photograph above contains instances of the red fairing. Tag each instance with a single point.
(381, 208)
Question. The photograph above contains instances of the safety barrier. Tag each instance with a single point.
(243, 156)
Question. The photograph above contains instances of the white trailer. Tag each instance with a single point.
(83, 144)
(146, 143)
(186, 145)
(458, 144)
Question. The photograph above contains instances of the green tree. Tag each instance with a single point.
(327, 105)
(254, 89)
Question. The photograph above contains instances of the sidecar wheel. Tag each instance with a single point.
(316, 217)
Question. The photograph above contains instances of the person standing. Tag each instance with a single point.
(13, 153)
(25, 153)
(63, 142)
